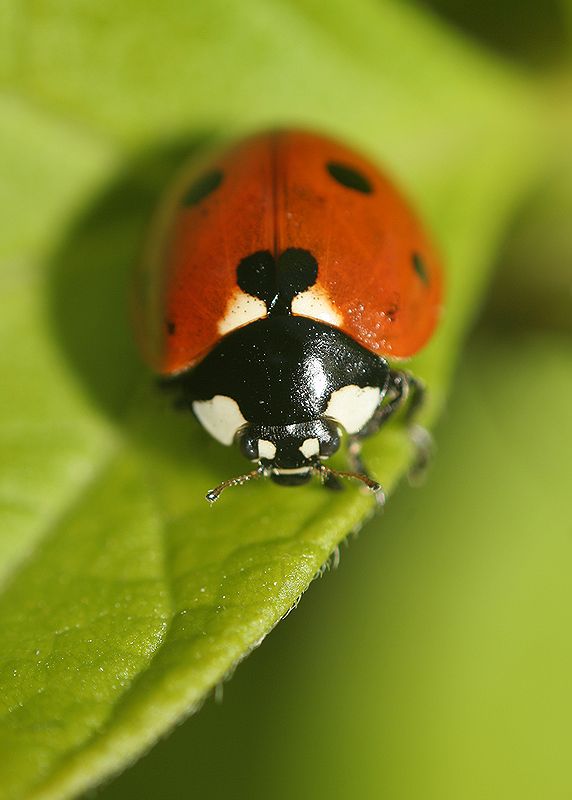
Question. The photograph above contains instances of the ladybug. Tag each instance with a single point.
(288, 277)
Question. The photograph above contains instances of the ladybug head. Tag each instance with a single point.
(290, 454)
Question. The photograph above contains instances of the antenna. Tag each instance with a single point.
(372, 485)
(213, 494)
(263, 471)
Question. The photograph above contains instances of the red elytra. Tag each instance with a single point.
(379, 277)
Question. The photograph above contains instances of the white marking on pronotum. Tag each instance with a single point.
(353, 406)
(309, 448)
(220, 416)
(314, 303)
(241, 309)
(266, 449)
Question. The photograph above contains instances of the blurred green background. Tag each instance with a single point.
(434, 663)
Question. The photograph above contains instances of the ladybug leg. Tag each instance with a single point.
(355, 459)
(398, 392)
(419, 436)
(358, 466)
(403, 388)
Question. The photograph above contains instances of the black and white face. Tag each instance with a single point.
(284, 388)
(290, 453)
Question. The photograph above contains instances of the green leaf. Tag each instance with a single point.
(125, 599)
(435, 662)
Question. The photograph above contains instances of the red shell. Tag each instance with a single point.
(377, 270)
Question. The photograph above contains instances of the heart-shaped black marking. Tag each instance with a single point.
(277, 281)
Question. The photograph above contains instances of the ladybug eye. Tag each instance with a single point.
(248, 444)
(202, 187)
(420, 268)
(349, 177)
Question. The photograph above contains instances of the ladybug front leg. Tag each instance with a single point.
(420, 436)
(397, 392)
(403, 388)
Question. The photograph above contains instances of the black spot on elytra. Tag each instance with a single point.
(420, 268)
(349, 177)
(171, 327)
(202, 187)
(297, 271)
(256, 275)
(277, 281)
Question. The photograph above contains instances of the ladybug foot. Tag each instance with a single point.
(424, 449)
(380, 500)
